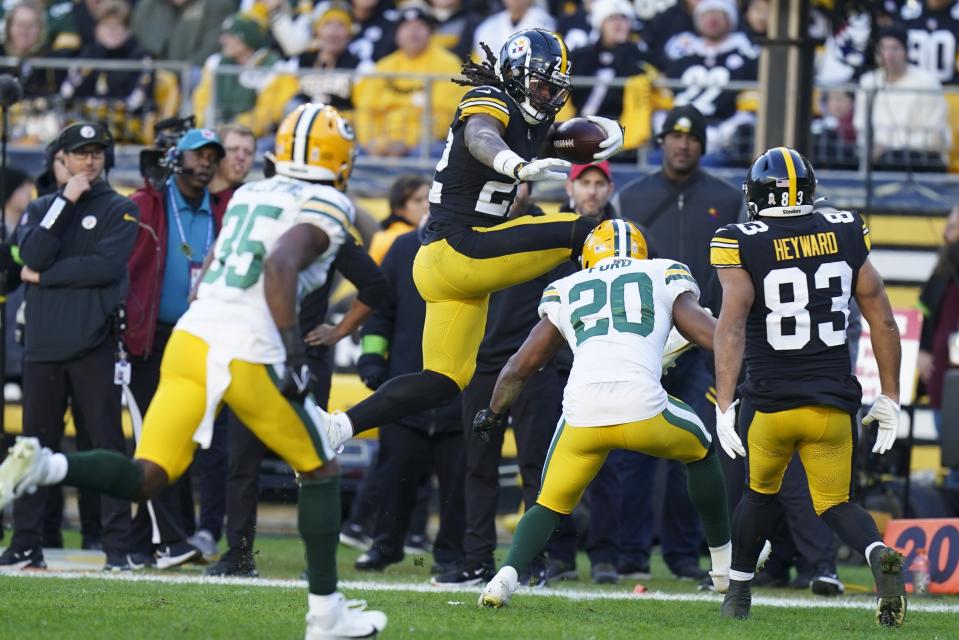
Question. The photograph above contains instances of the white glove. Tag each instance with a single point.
(726, 430)
(542, 169)
(614, 137)
(676, 345)
(885, 411)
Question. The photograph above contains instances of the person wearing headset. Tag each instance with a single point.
(178, 225)
(74, 244)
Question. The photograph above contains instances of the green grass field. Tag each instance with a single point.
(90, 607)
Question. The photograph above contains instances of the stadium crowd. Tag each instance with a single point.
(880, 67)
(369, 61)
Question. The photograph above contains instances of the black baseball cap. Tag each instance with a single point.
(81, 134)
(685, 119)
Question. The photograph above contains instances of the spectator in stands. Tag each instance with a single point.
(25, 29)
(328, 54)
(939, 303)
(901, 110)
(515, 16)
(679, 208)
(185, 30)
(390, 111)
(615, 56)
(575, 26)
(374, 27)
(74, 245)
(756, 19)
(70, 24)
(420, 444)
(122, 98)
(844, 38)
(409, 204)
(933, 28)
(456, 22)
(674, 22)
(254, 98)
(239, 145)
(178, 225)
(834, 134)
(704, 63)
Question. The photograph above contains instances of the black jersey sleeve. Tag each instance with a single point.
(487, 100)
(724, 248)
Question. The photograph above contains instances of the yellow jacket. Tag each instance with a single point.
(383, 240)
(390, 110)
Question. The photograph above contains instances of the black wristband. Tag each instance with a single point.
(292, 341)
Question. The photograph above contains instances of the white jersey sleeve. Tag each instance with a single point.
(677, 279)
(230, 312)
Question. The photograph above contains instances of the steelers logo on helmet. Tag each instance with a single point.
(613, 239)
(780, 183)
(315, 143)
(535, 68)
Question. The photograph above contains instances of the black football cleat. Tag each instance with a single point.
(886, 565)
(737, 601)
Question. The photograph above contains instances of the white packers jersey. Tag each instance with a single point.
(230, 312)
(616, 317)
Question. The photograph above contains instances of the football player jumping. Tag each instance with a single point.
(469, 249)
(239, 343)
(787, 279)
(616, 315)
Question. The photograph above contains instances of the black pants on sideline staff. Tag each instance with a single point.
(167, 509)
(246, 452)
(534, 416)
(46, 389)
(409, 457)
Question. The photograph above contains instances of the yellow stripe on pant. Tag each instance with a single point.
(180, 401)
(456, 288)
(577, 453)
(823, 436)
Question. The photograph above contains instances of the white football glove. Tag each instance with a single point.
(885, 411)
(726, 430)
(542, 169)
(676, 345)
(614, 137)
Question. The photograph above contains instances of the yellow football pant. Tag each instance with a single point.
(177, 408)
(576, 454)
(456, 282)
(823, 436)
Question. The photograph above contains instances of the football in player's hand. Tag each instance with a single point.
(577, 140)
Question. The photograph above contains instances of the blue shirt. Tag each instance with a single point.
(198, 232)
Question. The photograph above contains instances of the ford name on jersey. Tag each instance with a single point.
(465, 191)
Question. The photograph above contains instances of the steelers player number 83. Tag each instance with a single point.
(240, 256)
(796, 311)
(615, 295)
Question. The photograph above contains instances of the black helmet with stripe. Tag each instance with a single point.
(534, 65)
(780, 183)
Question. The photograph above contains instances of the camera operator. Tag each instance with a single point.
(178, 225)
(74, 244)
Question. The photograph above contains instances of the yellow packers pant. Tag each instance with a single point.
(457, 274)
(825, 438)
(576, 454)
(288, 428)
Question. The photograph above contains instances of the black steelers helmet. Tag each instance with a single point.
(780, 183)
(534, 65)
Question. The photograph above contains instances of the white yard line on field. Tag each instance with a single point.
(355, 586)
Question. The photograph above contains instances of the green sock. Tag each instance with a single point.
(319, 524)
(532, 534)
(108, 472)
(707, 492)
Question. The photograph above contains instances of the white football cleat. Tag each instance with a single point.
(347, 619)
(500, 589)
(720, 580)
(23, 470)
(338, 430)
(676, 345)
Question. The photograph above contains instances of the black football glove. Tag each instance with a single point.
(485, 421)
(372, 370)
(297, 378)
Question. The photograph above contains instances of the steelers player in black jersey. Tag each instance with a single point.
(469, 249)
(787, 277)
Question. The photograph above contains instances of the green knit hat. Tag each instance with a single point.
(248, 29)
